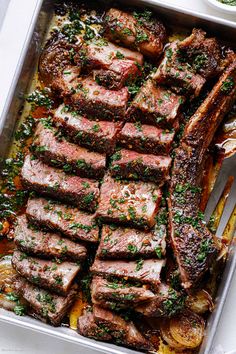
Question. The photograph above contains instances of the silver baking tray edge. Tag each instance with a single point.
(23, 78)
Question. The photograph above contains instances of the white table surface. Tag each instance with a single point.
(15, 340)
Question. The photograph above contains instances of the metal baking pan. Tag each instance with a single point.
(22, 80)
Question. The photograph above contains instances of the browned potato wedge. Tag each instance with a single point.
(200, 302)
(166, 335)
(187, 329)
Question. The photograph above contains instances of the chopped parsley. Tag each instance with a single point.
(227, 85)
(40, 98)
(141, 36)
(119, 55)
(158, 252)
(132, 248)
(139, 264)
(19, 310)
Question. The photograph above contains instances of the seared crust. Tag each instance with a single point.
(74, 223)
(105, 325)
(98, 136)
(133, 165)
(147, 36)
(194, 246)
(47, 307)
(55, 183)
(59, 152)
(47, 274)
(46, 244)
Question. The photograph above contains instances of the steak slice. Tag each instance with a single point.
(55, 57)
(45, 244)
(194, 246)
(120, 73)
(64, 83)
(166, 302)
(100, 53)
(155, 105)
(145, 34)
(117, 242)
(118, 295)
(177, 75)
(48, 307)
(98, 136)
(204, 54)
(70, 221)
(145, 271)
(87, 327)
(131, 203)
(94, 100)
(114, 66)
(146, 138)
(53, 182)
(130, 164)
(59, 152)
(57, 277)
(105, 325)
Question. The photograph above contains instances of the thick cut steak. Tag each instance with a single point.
(58, 152)
(55, 183)
(132, 203)
(118, 294)
(75, 224)
(117, 243)
(130, 164)
(94, 100)
(146, 35)
(105, 325)
(145, 271)
(46, 244)
(57, 277)
(146, 138)
(47, 307)
(155, 105)
(95, 135)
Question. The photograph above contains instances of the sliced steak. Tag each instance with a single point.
(46, 244)
(146, 138)
(55, 57)
(65, 82)
(53, 182)
(130, 164)
(131, 203)
(87, 327)
(114, 66)
(145, 271)
(135, 31)
(94, 100)
(57, 277)
(59, 152)
(204, 54)
(117, 242)
(177, 75)
(117, 294)
(121, 72)
(48, 307)
(68, 220)
(105, 325)
(194, 246)
(99, 136)
(100, 53)
(120, 328)
(167, 302)
(155, 105)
